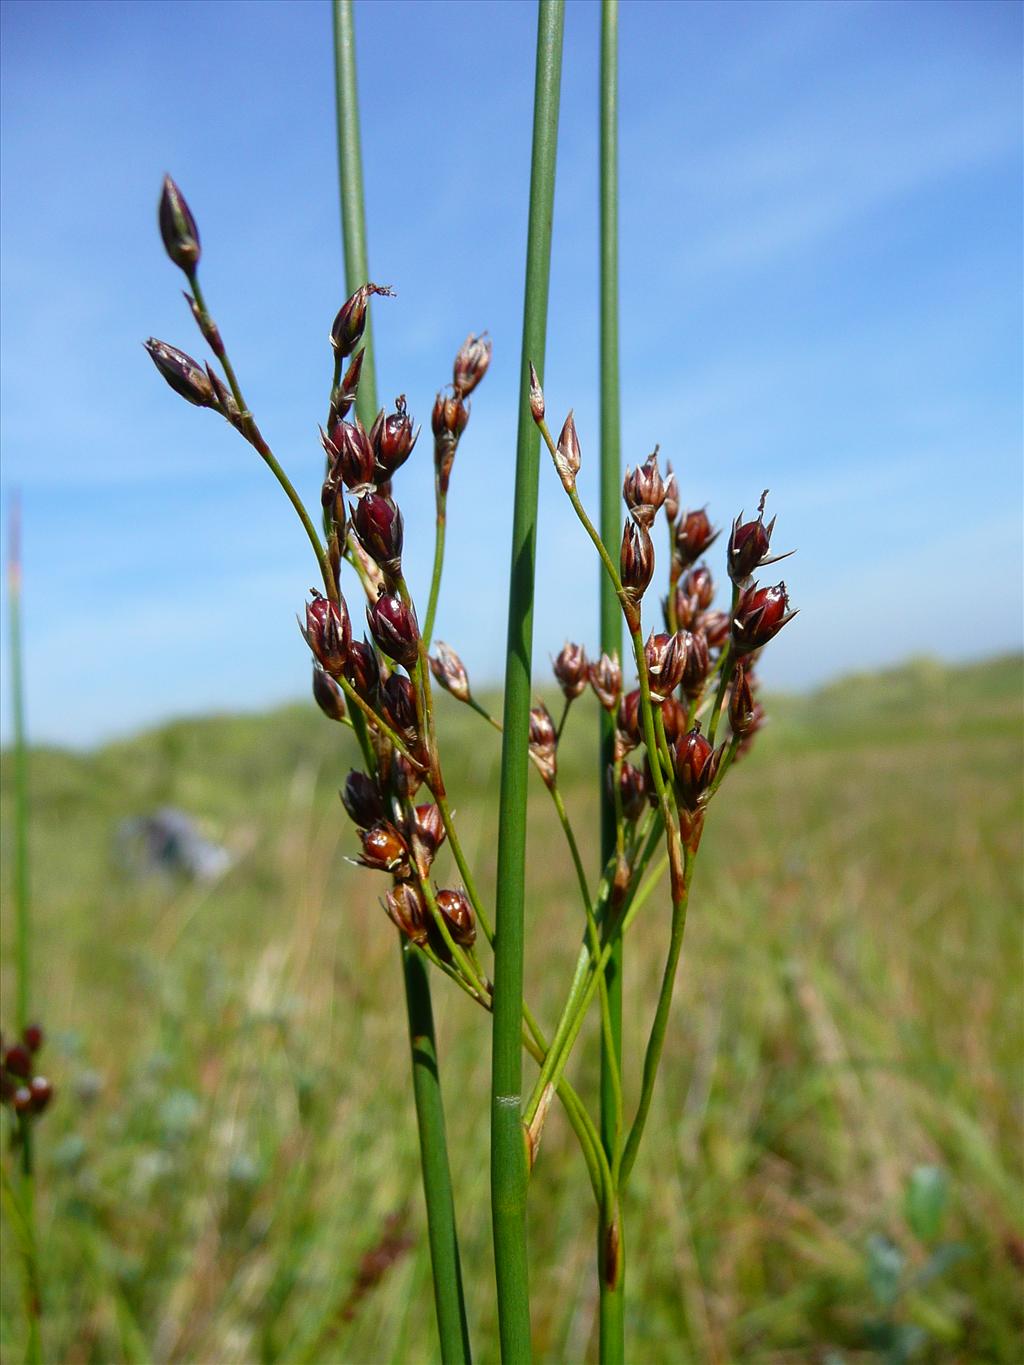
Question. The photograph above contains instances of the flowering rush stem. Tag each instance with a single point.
(437, 1185)
(509, 1175)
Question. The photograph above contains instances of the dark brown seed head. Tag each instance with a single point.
(606, 679)
(377, 521)
(327, 694)
(393, 626)
(362, 800)
(363, 670)
(632, 791)
(183, 373)
(178, 227)
(42, 1093)
(406, 909)
(696, 763)
(643, 490)
(393, 438)
(749, 545)
(741, 703)
(628, 724)
(665, 656)
(398, 702)
(350, 323)
(406, 777)
(384, 850)
(694, 534)
(695, 671)
(344, 396)
(636, 564)
(673, 717)
(328, 632)
(353, 459)
(760, 615)
(570, 669)
(471, 364)
(715, 627)
(450, 671)
(671, 503)
(18, 1060)
(687, 610)
(458, 915)
(426, 835)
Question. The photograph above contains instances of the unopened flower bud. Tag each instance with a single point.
(22, 1100)
(363, 670)
(33, 1037)
(673, 718)
(344, 396)
(184, 374)
(636, 565)
(406, 777)
(328, 632)
(568, 456)
(178, 227)
(398, 702)
(699, 584)
(448, 422)
(544, 743)
(749, 543)
(606, 679)
(632, 792)
(627, 725)
(694, 534)
(350, 322)
(458, 915)
(42, 1093)
(687, 610)
(671, 503)
(426, 835)
(327, 694)
(384, 850)
(362, 800)
(665, 656)
(695, 670)
(741, 703)
(450, 671)
(18, 1060)
(394, 628)
(536, 395)
(695, 763)
(392, 437)
(351, 455)
(570, 669)
(471, 364)
(643, 490)
(405, 908)
(760, 615)
(715, 627)
(378, 523)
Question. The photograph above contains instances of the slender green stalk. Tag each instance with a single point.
(611, 1256)
(509, 1175)
(441, 521)
(437, 1188)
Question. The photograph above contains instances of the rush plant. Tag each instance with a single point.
(670, 733)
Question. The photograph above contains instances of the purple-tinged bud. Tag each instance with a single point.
(694, 535)
(673, 718)
(536, 395)
(206, 325)
(742, 706)
(351, 455)
(544, 743)
(362, 800)
(715, 627)
(449, 417)
(18, 1060)
(384, 850)
(327, 694)
(636, 567)
(398, 702)
(471, 363)
(671, 503)
(392, 438)
(571, 670)
(749, 543)
(394, 628)
(695, 763)
(344, 396)
(627, 726)
(687, 610)
(643, 490)
(350, 322)
(328, 632)
(760, 615)
(666, 657)
(178, 227)
(450, 671)
(405, 908)
(699, 584)
(42, 1093)
(605, 678)
(22, 1099)
(378, 523)
(426, 835)
(458, 915)
(363, 670)
(697, 664)
(184, 374)
(632, 791)
(568, 456)
(33, 1037)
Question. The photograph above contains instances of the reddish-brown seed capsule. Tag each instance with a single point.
(363, 670)
(327, 694)
(33, 1037)
(393, 626)
(568, 456)
(377, 521)
(426, 835)
(696, 764)
(636, 561)
(697, 663)
(570, 668)
(398, 702)
(687, 610)
(384, 850)
(178, 227)
(471, 362)
(362, 800)
(632, 791)
(605, 677)
(449, 417)
(350, 323)
(741, 703)
(536, 395)
(392, 438)
(749, 543)
(351, 455)
(183, 373)
(673, 718)
(344, 396)
(671, 503)
(643, 490)
(449, 671)
(715, 627)
(328, 632)
(42, 1093)
(760, 615)
(544, 743)
(405, 908)
(699, 584)
(665, 656)
(694, 535)
(406, 777)
(458, 915)
(18, 1060)
(628, 723)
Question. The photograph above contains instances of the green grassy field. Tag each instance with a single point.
(234, 1128)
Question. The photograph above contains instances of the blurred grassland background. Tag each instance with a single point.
(234, 1130)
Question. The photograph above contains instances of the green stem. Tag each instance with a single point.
(509, 1175)
(610, 1266)
(441, 504)
(437, 1190)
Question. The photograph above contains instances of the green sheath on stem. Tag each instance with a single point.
(508, 1152)
(611, 1277)
(437, 1184)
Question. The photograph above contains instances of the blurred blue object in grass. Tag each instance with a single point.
(168, 843)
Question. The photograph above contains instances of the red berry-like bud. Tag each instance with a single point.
(426, 835)
(22, 1099)
(696, 764)
(378, 523)
(458, 915)
(394, 628)
(362, 800)
(697, 664)
(671, 503)
(536, 395)
(694, 535)
(393, 439)
(673, 718)
(398, 702)
(665, 656)
(760, 615)
(328, 632)
(643, 490)
(568, 456)
(327, 694)
(606, 679)
(184, 373)
(749, 544)
(351, 455)
(450, 671)
(636, 562)
(33, 1037)
(570, 669)
(42, 1093)
(741, 703)
(406, 777)
(699, 584)
(363, 670)
(471, 364)
(632, 791)
(18, 1060)
(544, 743)
(350, 323)
(178, 227)
(384, 850)
(627, 728)
(405, 908)
(715, 627)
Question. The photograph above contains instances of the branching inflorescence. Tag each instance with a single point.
(692, 713)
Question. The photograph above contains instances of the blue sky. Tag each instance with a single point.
(821, 283)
